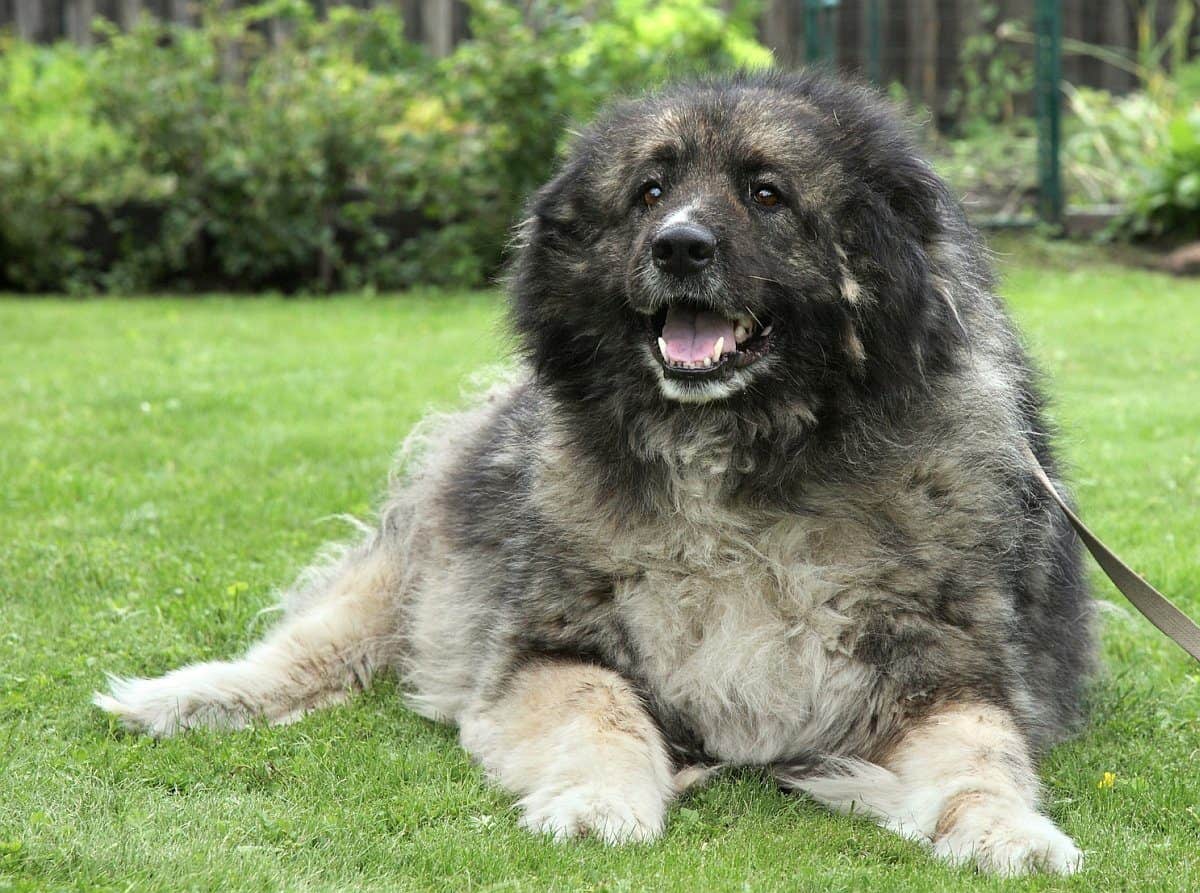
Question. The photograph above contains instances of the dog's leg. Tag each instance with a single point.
(328, 646)
(577, 745)
(964, 781)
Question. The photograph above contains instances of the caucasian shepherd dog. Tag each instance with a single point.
(761, 494)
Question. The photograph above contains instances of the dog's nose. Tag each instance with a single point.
(684, 249)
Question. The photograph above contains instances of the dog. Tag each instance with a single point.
(757, 494)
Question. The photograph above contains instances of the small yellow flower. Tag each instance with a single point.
(235, 588)
(1106, 781)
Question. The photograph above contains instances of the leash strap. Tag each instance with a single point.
(1159, 610)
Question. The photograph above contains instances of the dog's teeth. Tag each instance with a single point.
(740, 334)
(717, 351)
(766, 331)
(707, 362)
(746, 321)
(662, 346)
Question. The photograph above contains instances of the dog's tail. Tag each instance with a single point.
(854, 786)
(339, 629)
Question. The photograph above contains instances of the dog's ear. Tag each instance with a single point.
(889, 220)
(558, 216)
(545, 268)
(874, 142)
(551, 232)
(893, 220)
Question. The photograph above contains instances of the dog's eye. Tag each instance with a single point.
(765, 195)
(651, 193)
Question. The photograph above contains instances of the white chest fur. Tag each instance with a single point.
(739, 618)
(740, 632)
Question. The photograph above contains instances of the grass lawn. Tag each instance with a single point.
(165, 464)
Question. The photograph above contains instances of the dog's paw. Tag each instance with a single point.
(1006, 839)
(614, 814)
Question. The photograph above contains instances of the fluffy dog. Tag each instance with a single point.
(759, 495)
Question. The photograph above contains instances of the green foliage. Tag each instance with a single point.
(275, 156)
(993, 170)
(993, 75)
(1141, 150)
(1169, 203)
(59, 163)
(270, 149)
(1110, 143)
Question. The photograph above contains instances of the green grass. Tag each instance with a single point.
(165, 464)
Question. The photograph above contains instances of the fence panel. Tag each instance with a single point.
(917, 43)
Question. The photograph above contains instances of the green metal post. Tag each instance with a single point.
(820, 31)
(1048, 106)
(874, 26)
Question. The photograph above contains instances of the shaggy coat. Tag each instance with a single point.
(821, 550)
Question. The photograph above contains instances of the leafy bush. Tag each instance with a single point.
(993, 78)
(1169, 203)
(1141, 150)
(337, 155)
(275, 157)
(993, 171)
(60, 166)
(1110, 141)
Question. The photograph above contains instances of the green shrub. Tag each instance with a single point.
(1169, 203)
(274, 157)
(1110, 143)
(994, 76)
(338, 156)
(1142, 151)
(61, 165)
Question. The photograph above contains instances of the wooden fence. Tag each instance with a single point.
(439, 24)
(920, 42)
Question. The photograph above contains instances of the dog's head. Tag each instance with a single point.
(760, 242)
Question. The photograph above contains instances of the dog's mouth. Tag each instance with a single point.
(694, 342)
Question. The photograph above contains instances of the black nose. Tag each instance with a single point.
(684, 249)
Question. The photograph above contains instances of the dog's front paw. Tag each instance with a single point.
(1004, 838)
(615, 814)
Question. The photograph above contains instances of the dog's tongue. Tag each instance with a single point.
(691, 336)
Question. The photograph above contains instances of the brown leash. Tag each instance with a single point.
(1159, 610)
